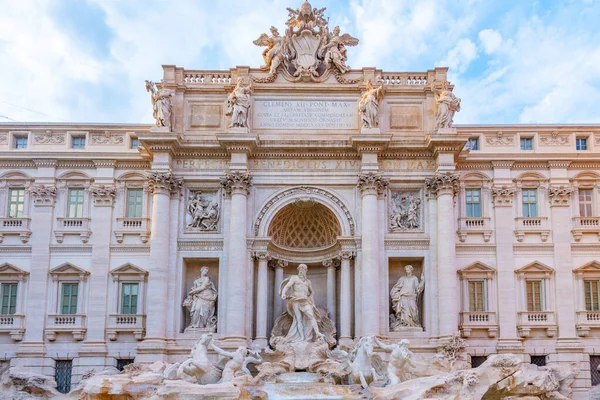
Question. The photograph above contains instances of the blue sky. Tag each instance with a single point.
(511, 61)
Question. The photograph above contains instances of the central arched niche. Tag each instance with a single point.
(304, 225)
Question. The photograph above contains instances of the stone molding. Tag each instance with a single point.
(554, 139)
(406, 244)
(443, 183)
(104, 195)
(164, 183)
(560, 195)
(43, 195)
(200, 245)
(49, 137)
(107, 138)
(503, 195)
(237, 182)
(500, 139)
(372, 183)
(45, 163)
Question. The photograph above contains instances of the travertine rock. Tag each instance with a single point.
(20, 384)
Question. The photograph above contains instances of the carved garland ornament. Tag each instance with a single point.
(43, 195)
(107, 138)
(372, 183)
(503, 195)
(104, 195)
(305, 190)
(560, 195)
(443, 181)
(49, 138)
(237, 182)
(554, 139)
(163, 182)
(500, 140)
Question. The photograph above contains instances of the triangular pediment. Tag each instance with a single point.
(129, 269)
(68, 269)
(477, 268)
(591, 269)
(7, 269)
(534, 267)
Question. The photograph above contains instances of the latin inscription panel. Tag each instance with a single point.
(301, 114)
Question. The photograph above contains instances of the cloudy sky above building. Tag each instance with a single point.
(511, 61)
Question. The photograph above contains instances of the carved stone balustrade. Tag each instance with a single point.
(484, 320)
(479, 226)
(126, 323)
(583, 225)
(14, 325)
(73, 226)
(532, 225)
(15, 226)
(586, 320)
(528, 320)
(133, 226)
(66, 323)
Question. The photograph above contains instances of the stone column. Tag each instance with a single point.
(345, 298)
(508, 340)
(330, 265)
(262, 300)
(238, 184)
(162, 184)
(277, 300)
(97, 309)
(444, 186)
(32, 349)
(370, 184)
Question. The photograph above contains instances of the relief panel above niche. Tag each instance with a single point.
(406, 117)
(205, 115)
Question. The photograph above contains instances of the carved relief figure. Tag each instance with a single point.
(447, 105)
(234, 364)
(238, 104)
(161, 104)
(368, 105)
(335, 50)
(406, 211)
(274, 53)
(405, 294)
(201, 302)
(203, 213)
(401, 357)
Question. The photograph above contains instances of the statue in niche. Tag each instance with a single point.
(161, 104)
(201, 303)
(274, 52)
(368, 105)
(203, 213)
(302, 321)
(447, 105)
(238, 103)
(406, 211)
(335, 49)
(405, 295)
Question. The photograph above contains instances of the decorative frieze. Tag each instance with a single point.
(3, 139)
(107, 138)
(200, 245)
(237, 182)
(554, 139)
(443, 182)
(43, 195)
(503, 195)
(164, 182)
(500, 139)
(203, 212)
(372, 183)
(104, 195)
(560, 195)
(49, 137)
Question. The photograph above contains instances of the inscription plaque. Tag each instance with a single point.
(300, 114)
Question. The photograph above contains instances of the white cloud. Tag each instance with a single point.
(461, 56)
(491, 40)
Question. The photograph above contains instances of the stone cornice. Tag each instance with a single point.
(370, 143)
(238, 143)
(443, 182)
(105, 163)
(559, 164)
(45, 163)
(502, 164)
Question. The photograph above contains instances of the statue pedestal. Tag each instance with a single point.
(238, 130)
(160, 129)
(445, 131)
(197, 332)
(370, 131)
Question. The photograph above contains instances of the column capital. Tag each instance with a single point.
(275, 264)
(332, 263)
(261, 255)
(372, 183)
(560, 195)
(163, 182)
(104, 195)
(503, 195)
(443, 183)
(237, 182)
(43, 195)
(347, 255)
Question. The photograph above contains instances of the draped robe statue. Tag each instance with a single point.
(404, 296)
(201, 302)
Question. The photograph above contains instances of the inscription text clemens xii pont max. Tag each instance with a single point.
(295, 114)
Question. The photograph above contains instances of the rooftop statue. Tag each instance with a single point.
(162, 109)
(307, 51)
(447, 105)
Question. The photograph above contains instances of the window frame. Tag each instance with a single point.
(61, 306)
(9, 202)
(79, 205)
(127, 273)
(529, 204)
(536, 271)
(483, 295)
(481, 272)
(586, 143)
(474, 140)
(469, 205)
(12, 296)
(78, 137)
(136, 206)
(122, 297)
(526, 139)
(11, 274)
(15, 141)
(68, 273)
(540, 295)
(132, 140)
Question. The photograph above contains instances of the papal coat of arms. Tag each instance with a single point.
(307, 51)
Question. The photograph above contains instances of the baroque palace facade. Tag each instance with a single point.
(105, 228)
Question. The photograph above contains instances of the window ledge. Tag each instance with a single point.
(484, 320)
(15, 226)
(528, 320)
(73, 226)
(475, 226)
(583, 225)
(587, 320)
(14, 325)
(133, 226)
(532, 225)
(126, 323)
(66, 323)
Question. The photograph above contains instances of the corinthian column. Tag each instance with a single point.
(262, 299)
(162, 185)
(370, 184)
(238, 184)
(345, 298)
(444, 186)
